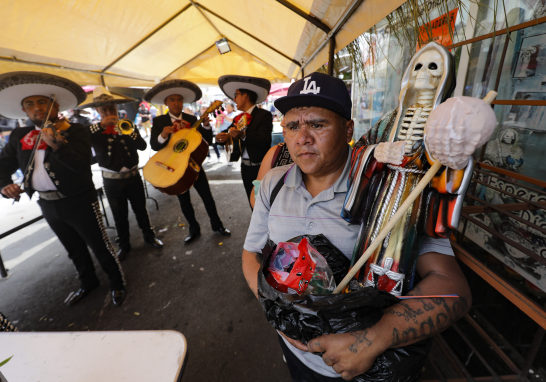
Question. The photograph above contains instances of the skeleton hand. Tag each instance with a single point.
(456, 128)
(390, 152)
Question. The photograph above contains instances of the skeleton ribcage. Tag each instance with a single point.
(413, 128)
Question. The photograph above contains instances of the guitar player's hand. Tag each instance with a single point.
(167, 130)
(236, 133)
(221, 137)
(206, 121)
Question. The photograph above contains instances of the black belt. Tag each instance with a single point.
(120, 175)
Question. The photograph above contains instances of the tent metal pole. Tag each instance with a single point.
(206, 18)
(147, 37)
(348, 13)
(313, 20)
(248, 34)
(13, 59)
(331, 51)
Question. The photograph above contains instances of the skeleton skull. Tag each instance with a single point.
(509, 137)
(428, 70)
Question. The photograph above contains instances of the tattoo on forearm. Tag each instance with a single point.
(360, 337)
(429, 326)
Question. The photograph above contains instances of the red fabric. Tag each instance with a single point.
(248, 118)
(111, 130)
(29, 140)
(180, 124)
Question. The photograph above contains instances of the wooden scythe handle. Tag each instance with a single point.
(390, 225)
(398, 215)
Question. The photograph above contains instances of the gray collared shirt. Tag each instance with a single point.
(295, 212)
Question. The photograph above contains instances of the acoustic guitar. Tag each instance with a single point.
(175, 168)
(233, 151)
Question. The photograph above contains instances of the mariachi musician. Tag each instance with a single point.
(117, 155)
(255, 141)
(60, 171)
(174, 94)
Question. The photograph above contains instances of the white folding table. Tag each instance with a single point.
(145, 356)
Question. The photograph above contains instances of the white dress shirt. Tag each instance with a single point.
(40, 178)
(245, 153)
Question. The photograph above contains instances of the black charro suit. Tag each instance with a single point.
(201, 185)
(76, 219)
(116, 152)
(257, 142)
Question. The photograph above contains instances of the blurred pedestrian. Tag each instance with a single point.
(145, 119)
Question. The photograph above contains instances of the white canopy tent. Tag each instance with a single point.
(139, 43)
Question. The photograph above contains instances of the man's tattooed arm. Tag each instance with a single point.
(439, 314)
(416, 319)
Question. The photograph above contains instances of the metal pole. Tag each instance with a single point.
(530, 358)
(3, 272)
(331, 55)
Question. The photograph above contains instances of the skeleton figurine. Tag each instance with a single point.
(390, 160)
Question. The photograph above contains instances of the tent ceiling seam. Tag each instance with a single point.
(147, 37)
(206, 18)
(313, 20)
(15, 59)
(240, 47)
(248, 34)
(343, 19)
(187, 62)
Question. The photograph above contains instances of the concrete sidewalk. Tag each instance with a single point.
(196, 289)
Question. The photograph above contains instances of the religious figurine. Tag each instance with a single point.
(389, 161)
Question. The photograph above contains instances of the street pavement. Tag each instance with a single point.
(196, 289)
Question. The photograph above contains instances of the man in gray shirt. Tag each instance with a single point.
(317, 128)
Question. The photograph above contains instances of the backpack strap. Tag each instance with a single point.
(276, 190)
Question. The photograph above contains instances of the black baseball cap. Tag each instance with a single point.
(320, 90)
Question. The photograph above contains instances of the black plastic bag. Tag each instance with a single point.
(306, 317)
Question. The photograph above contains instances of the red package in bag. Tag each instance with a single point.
(291, 270)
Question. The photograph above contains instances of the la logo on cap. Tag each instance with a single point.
(310, 87)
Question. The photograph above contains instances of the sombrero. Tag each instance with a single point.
(100, 96)
(230, 83)
(188, 90)
(16, 86)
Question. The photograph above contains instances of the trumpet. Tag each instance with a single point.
(125, 126)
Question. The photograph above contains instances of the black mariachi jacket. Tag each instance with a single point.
(69, 167)
(165, 120)
(258, 136)
(116, 151)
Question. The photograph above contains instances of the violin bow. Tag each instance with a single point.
(38, 141)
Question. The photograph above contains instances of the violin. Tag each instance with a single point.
(58, 128)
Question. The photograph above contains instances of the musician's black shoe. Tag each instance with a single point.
(154, 242)
(122, 253)
(79, 294)
(192, 237)
(118, 296)
(223, 231)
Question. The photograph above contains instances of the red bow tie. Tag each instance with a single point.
(110, 130)
(29, 141)
(180, 124)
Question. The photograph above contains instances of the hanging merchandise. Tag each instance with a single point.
(425, 135)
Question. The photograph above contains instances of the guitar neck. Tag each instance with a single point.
(196, 124)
